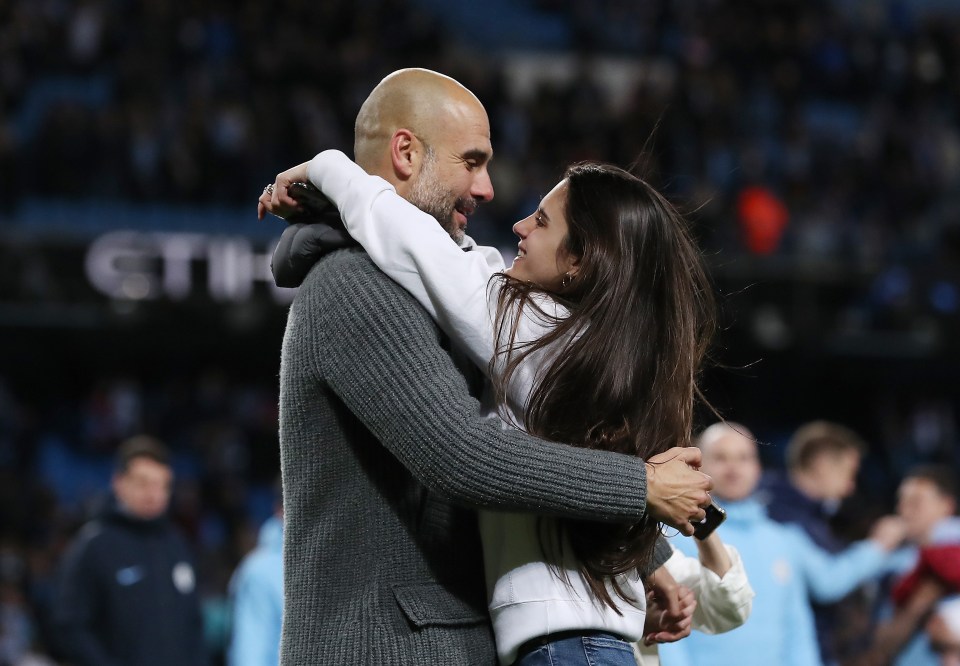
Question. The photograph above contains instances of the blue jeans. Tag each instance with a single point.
(592, 650)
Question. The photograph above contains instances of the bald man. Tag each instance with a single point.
(785, 567)
(385, 456)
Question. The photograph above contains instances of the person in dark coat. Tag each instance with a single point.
(822, 463)
(127, 589)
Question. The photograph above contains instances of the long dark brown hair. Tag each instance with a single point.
(623, 373)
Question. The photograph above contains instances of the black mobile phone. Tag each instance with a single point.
(715, 516)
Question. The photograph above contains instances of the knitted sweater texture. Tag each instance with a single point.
(385, 458)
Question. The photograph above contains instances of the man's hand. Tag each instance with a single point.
(275, 198)
(670, 609)
(676, 491)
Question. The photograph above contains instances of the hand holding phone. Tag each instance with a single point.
(715, 516)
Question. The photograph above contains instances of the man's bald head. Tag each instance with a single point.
(730, 458)
(429, 137)
(718, 431)
(419, 100)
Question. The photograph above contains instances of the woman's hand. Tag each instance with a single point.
(670, 609)
(275, 199)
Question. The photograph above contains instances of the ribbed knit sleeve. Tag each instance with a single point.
(381, 354)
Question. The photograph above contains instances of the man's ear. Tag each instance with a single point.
(405, 153)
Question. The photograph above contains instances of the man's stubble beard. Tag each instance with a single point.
(429, 195)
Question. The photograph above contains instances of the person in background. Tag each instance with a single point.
(127, 591)
(785, 567)
(943, 632)
(822, 463)
(256, 592)
(927, 569)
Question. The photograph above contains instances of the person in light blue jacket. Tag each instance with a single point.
(784, 566)
(256, 590)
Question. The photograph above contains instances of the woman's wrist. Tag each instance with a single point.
(713, 555)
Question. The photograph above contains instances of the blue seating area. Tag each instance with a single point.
(66, 219)
(502, 24)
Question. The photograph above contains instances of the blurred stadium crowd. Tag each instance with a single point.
(814, 142)
(821, 133)
(844, 111)
(56, 463)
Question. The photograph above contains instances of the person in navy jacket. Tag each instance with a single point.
(822, 463)
(127, 591)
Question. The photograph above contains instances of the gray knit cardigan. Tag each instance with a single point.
(385, 458)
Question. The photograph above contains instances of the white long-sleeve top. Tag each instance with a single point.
(722, 603)
(454, 286)
(527, 597)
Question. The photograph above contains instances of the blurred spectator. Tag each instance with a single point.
(833, 116)
(847, 101)
(256, 592)
(943, 630)
(56, 460)
(17, 626)
(929, 567)
(128, 588)
(822, 463)
(785, 567)
(763, 219)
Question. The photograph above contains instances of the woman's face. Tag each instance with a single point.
(541, 258)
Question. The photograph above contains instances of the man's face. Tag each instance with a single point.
(836, 473)
(731, 460)
(143, 490)
(921, 505)
(453, 176)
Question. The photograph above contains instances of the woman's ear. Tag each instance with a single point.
(404, 153)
